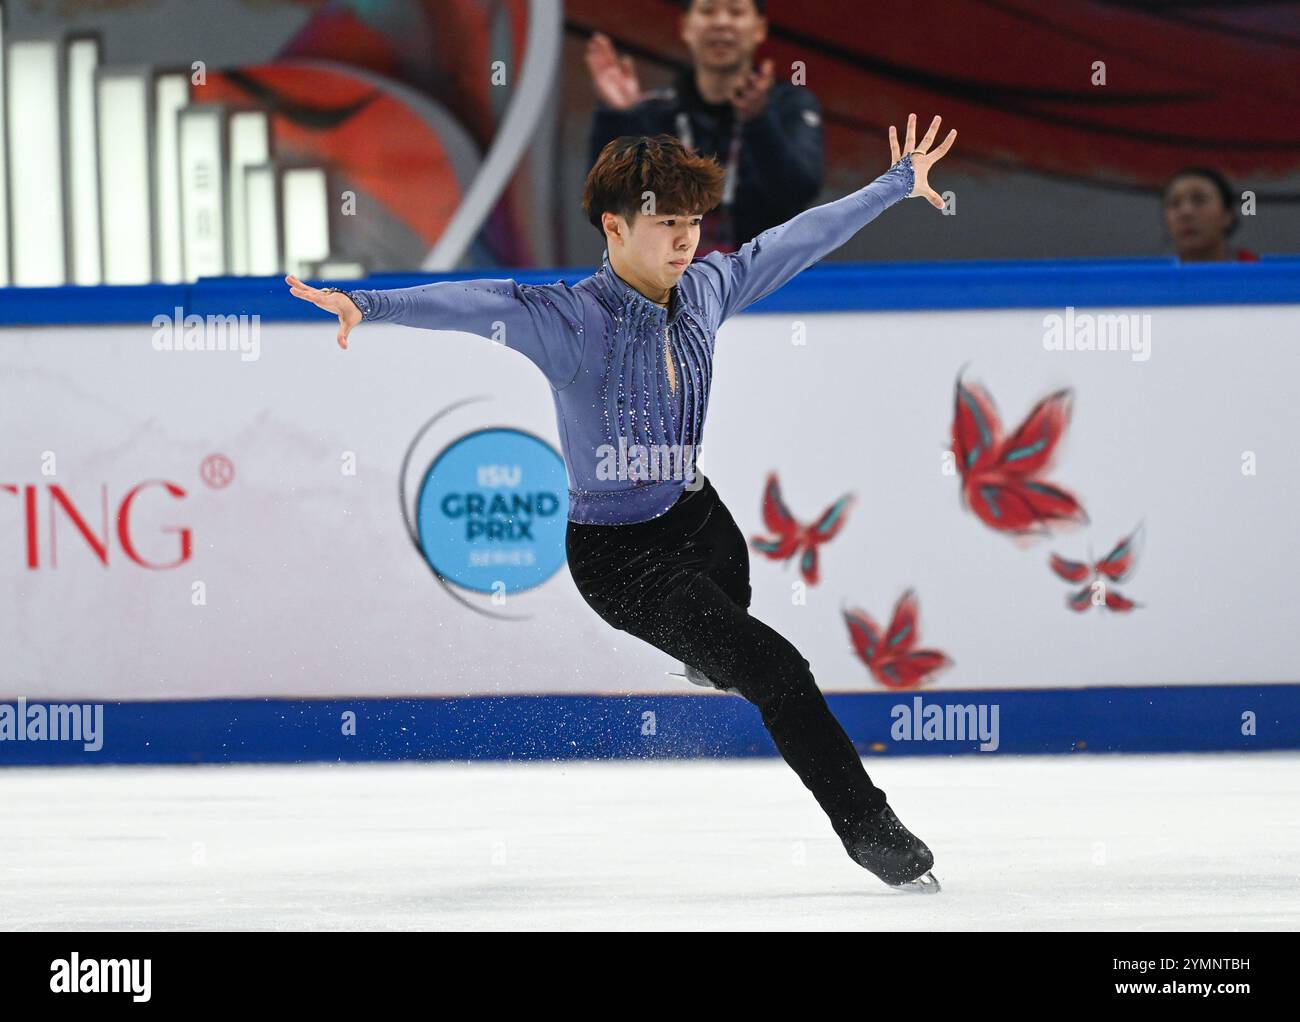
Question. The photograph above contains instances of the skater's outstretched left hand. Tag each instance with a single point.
(922, 158)
(331, 301)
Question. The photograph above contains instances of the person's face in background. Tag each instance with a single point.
(654, 253)
(722, 35)
(1196, 218)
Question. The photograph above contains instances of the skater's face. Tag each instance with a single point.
(652, 252)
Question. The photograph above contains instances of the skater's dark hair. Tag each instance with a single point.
(680, 181)
(1220, 183)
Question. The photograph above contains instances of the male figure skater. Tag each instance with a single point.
(628, 352)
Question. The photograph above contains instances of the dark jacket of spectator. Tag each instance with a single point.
(778, 163)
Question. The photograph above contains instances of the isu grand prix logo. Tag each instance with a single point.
(485, 508)
(1116, 566)
(793, 538)
(1001, 477)
(892, 657)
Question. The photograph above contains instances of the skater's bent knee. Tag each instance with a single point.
(783, 685)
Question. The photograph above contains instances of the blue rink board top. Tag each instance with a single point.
(830, 287)
(1176, 718)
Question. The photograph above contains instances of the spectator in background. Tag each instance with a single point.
(767, 134)
(1200, 212)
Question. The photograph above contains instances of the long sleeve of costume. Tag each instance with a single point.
(544, 322)
(762, 265)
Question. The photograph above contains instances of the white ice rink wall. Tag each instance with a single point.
(273, 552)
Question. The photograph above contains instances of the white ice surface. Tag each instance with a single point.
(1085, 842)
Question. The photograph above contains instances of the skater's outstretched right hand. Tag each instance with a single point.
(331, 301)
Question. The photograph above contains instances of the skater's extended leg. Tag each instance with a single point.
(700, 624)
(681, 583)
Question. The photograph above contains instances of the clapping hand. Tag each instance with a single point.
(613, 76)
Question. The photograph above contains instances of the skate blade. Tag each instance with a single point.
(926, 883)
(678, 676)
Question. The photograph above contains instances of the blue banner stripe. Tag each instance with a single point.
(1182, 718)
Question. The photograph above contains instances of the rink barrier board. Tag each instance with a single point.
(567, 727)
(832, 287)
(1189, 718)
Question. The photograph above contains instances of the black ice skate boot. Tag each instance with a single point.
(881, 844)
(689, 673)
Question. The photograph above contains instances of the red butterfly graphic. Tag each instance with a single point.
(1115, 566)
(1000, 475)
(892, 660)
(791, 537)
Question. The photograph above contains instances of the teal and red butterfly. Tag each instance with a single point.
(892, 657)
(1001, 476)
(1116, 566)
(793, 538)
